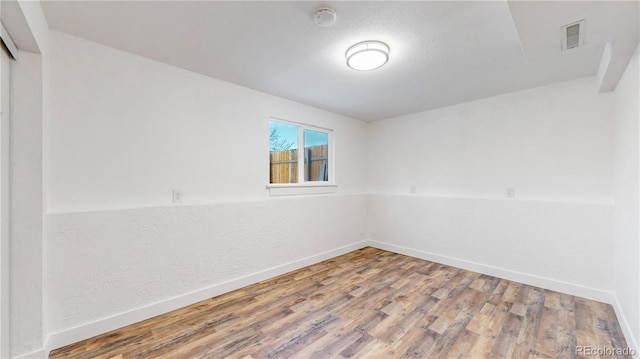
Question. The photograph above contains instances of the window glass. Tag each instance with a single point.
(316, 156)
(283, 152)
(287, 165)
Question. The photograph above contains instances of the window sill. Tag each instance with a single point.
(295, 189)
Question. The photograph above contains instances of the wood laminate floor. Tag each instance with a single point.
(369, 304)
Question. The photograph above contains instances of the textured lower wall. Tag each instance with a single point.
(558, 245)
(101, 264)
(109, 268)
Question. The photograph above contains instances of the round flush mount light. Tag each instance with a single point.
(367, 55)
(324, 17)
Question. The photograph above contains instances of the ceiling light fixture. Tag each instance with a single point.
(367, 55)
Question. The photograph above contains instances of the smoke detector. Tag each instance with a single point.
(324, 17)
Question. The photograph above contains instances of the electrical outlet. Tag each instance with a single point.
(510, 192)
(412, 189)
(177, 196)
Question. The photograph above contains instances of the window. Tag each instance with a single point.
(288, 166)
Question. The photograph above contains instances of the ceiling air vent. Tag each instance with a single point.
(572, 35)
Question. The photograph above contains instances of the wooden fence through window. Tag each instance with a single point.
(284, 165)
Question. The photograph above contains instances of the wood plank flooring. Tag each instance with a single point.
(369, 304)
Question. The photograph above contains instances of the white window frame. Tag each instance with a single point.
(302, 186)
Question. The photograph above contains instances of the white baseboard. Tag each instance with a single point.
(626, 328)
(38, 354)
(91, 329)
(542, 282)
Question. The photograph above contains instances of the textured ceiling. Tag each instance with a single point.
(442, 53)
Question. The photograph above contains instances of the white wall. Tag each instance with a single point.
(28, 27)
(26, 204)
(127, 130)
(124, 132)
(554, 245)
(553, 144)
(626, 259)
(5, 204)
(550, 143)
(105, 263)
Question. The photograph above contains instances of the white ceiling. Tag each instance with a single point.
(442, 53)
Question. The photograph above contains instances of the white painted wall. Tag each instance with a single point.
(556, 245)
(29, 29)
(106, 263)
(26, 204)
(626, 258)
(5, 204)
(127, 130)
(553, 144)
(124, 132)
(550, 143)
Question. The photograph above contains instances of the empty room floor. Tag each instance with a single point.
(374, 304)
